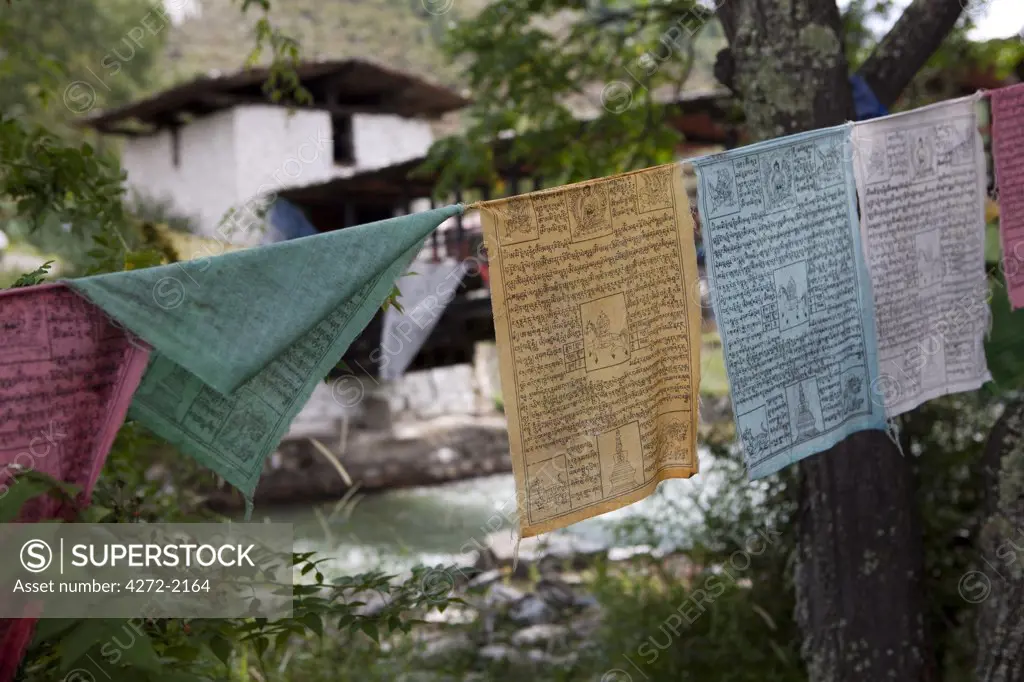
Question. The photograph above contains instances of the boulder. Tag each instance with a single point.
(443, 649)
(501, 653)
(531, 610)
(484, 579)
(501, 596)
(556, 593)
(544, 636)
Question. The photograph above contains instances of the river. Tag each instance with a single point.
(398, 529)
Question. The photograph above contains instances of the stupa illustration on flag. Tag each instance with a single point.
(805, 424)
(622, 472)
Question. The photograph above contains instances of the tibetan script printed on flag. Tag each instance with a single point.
(241, 339)
(790, 294)
(597, 320)
(67, 376)
(1008, 149)
(921, 181)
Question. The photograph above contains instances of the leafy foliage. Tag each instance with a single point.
(53, 181)
(212, 648)
(69, 58)
(33, 278)
(537, 68)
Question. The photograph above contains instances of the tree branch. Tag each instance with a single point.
(908, 46)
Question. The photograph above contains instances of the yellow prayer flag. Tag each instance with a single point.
(596, 304)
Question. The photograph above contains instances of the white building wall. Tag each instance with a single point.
(237, 155)
(386, 140)
(203, 184)
(276, 150)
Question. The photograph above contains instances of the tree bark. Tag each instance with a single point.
(860, 563)
(916, 35)
(998, 584)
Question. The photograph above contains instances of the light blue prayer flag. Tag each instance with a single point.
(791, 294)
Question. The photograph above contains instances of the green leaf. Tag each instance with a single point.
(33, 278)
(49, 629)
(88, 633)
(221, 647)
(314, 622)
(370, 629)
(1005, 361)
(27, 486)
(261, 646)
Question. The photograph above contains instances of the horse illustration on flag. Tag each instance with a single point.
(601, 338)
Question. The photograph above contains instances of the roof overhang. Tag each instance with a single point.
(339, 86)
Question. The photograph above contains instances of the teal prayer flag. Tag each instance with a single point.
(240, 340)
(792, 295)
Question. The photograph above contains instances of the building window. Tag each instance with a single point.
(341, 131)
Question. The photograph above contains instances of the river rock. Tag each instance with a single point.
(624, 553)
(572, 578)
(501, 596)
(531, 610)
(452, 615)
(446, 648)
(501, 653)
(538, 657)
(545, 635)
(556, 593)
(484, 579)
(549, 565)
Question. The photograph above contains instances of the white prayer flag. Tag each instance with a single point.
(921, 185)
(424, 297)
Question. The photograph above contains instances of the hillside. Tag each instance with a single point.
(401, 34)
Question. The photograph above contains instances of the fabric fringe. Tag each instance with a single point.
(892, 429)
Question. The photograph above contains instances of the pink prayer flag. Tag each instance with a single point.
(67, 375)
(1008, 149)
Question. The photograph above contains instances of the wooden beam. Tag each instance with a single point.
(225, 101)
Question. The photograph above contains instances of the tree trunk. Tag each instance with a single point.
(860, 567)
(998, 585)
(860, 563)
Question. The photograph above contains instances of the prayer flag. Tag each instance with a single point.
(922, 185)
(595, 297)
(791, 294)
(424, 297)
(1008, 149)
(240, 340)
(66, 378)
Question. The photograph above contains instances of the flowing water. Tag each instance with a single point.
(398, 529)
